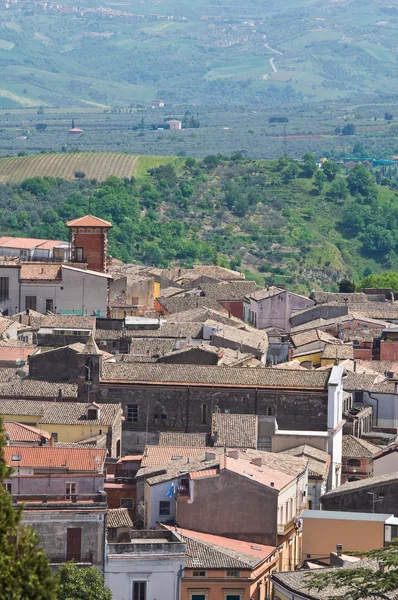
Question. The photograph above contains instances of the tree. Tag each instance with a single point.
(82, 583)
(388, 116)
(363, 582)
(381, 280)
(24, 569)
(80, 174)
(309, 165)
(346, 286)
(73, 123)
(361, 181)
(359, 149)
(348, 129)
(41, 127)
(338, 189)
(319, 180)
(331, 169)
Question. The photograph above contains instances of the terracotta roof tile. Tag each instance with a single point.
(73, 459)
(338, 351)
(214, 375)
(235, 431)
(191, 440)
(68, 321)
(88, 221)
(207, 551)
(370, 482)
(19, 432)
(63, 413)
(34, 388)
(118, 517)
(160, 455)
(41, 271)
(8, 353)
(354, 447)
(28, 243)
(205, 473)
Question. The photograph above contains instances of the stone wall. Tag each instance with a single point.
(359, 500)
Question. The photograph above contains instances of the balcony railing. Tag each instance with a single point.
(44, 500)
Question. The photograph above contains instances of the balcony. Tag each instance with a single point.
(60, 501)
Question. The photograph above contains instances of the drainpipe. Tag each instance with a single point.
(179, 576)
(105, 545)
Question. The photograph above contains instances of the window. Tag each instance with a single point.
(89, 369)
(8, 487)
(353, 462)
(163, 416)
(70, 489)
(139, 590)
(233, 573)
(198, 573)
(134, 300)
(4, 288)
(30, 302)
(92, 414)
(54, 435)
(112, 534)
(198, 597)
(23, 253)
(164, 508)
(204, 414)
(269, 411)
(233, 597)
(127, 503)
(79, 254)
(132, 413)
(73, 543)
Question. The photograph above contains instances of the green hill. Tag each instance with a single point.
(279, 221)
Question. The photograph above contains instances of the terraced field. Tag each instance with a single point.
(95, 165)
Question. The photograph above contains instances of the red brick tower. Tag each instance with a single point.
(89, 239)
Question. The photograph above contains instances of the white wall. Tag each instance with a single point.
(385, 409)
(158, 493)
(11, 304)
(292, 493)
(160, 576)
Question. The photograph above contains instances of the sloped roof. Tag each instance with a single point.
(160, 455)
(74, 413)
(360, 484)
(88, 221)
(191, 440)
(235, 431)
(28, 243)
(35, 388)
(68, 321)
(215, 375)
(118, 517)
(41, 271)
(19, 432)
(233, 290)
(318, 460)
(73, 459)
(354, 447)
(207, 551)
(338, 351)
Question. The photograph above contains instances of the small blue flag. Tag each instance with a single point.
(170, 493)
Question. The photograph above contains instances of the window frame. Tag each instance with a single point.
(198, 573)
(132, 410)
(127, 503)
(161, 512)
(72, 489)
(137, 594)
(232, 573)
(30, 304)
(4, 288)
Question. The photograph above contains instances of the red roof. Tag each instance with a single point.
(19, 432)
(28, 243)
(206, 473)
(14, 353)
(42, 271)
(88, 221)
(72, 459)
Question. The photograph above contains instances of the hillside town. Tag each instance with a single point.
(192, 434)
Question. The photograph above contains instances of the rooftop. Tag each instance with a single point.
(363, 484)
(20, 432)
(214, 375)
(160, 455)
(119, 517)
(354, 447)
(89, 221)
(72, 459)
(336, 515)
(35, 388)
(28, 243)
(62, 413)
(338, 351)
(41, 271)
(68, 322)
(206, 551)
(179, 439)
(235, 431)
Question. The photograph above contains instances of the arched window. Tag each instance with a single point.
(89, 369)
(204, 414)
(269, 411)
(353, 462)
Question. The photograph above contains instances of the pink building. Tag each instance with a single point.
(174, 124)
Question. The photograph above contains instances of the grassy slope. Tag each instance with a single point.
(98, 165)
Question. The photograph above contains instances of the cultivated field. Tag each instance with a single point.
(95, 165)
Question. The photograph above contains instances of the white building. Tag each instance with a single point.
(273, 307)
(52, 287)
(150, 566)
(34, 249)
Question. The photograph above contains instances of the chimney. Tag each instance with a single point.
(210, 455)
(355, 366)
(339, 549)
(272, 483)
(60, 396)
(233, 454)
(51, 442)
(257, 461)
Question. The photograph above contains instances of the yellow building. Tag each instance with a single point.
(69, 421)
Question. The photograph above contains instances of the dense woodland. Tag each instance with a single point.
(279, 221)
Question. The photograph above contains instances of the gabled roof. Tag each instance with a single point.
(88, 221)
(68, 321)
(387, 450)
(338, 351)
(318, 460)
(190, 440)
(72, 459)
(62, 413)
(41, 271)
(354, 447)
(362, 484)
(159, 455)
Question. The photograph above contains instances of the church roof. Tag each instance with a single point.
(91, 347)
